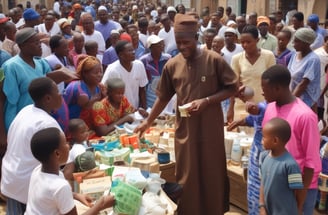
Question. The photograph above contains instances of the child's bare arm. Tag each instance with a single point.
(103, 203)
(298, 196)
(262, 206)
(235, 124)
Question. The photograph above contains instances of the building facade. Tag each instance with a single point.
(262, 7)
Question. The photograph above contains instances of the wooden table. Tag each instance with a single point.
(237, 177)
(238, 186)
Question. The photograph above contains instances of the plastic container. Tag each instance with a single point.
(127, 198)
(134, 141)
(109, 157)
(236, 152)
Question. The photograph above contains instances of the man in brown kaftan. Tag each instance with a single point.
(204, 79)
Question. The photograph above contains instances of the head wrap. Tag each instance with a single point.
(313, 18)
(185, 24)
(24, 34)
(263, 19)
(85, 63)
(30, 14)
(306, 35)
(85, 161)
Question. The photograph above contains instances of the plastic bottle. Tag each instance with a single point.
(236, 152)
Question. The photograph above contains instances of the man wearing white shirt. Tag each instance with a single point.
(231, 48)
(131, 71)
(167, 34)
(89, 32)
(18, 162)
(49, 27)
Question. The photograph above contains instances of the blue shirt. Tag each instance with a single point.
(283, 58)
(154, 71)
(308, 67)
(72, 92)
(280, 176)
(4, 56)
(105, 29)
(18, 76)
(140, 51)
(109, 56)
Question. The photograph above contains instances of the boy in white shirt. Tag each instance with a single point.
(49, 146)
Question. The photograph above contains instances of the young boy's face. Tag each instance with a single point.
(81, 134)
(116, 95)
(268, 138)
(63, 149)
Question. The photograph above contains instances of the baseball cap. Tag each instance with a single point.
(313, 18)
(3, 18)
(30, 14)
(263, 19)
(153, 39)
(171, 9)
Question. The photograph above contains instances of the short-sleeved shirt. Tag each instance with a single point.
(18, 76)
(110, 56)
(250, 75)
(169, 40)
(284, 57)
(280, 176)
(133, 80)
(308, 67)
(18, 162)
(154, 71)
(269, 42)
(304, 142)
(50, 200)
(227, 55)
(103, 113)
(98, 37)
(323, 56)
(105, 29)
(72, 92)
(4, 56)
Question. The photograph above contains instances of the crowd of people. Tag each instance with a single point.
(100, 62)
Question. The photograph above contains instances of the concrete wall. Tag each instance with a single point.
(4, 3)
